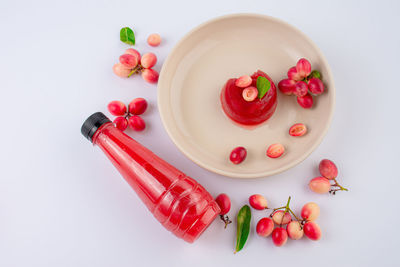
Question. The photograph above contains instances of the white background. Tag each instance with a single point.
(63, 204)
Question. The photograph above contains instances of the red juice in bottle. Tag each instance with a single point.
(177, 201)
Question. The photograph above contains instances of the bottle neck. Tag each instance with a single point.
(99, 132)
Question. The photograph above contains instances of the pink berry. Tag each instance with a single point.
(286, 86)
(133, 52)
(258, 202)
(312, 230)
(224, 203)
(294, 75)
(279, 236)
(154, 39)
(305, 101)
(275, 150)
(148, 60)
(294, 230)
(128, 61)
(243, 81)
(121, 123)
(300, 88)
(328, 169)
(310, 211)
(121, 71)
(250, 93)
(136, 123)
(238, 154)
(298, 129)
(137, 106)
(264, 227)
(315, 86)
(281, 218)
(303, 67)
(150, 75)
(320, 185)
(116, 108)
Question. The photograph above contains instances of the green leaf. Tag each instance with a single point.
(263, 85)
(127, 36)
(315, 74)
(243, 227)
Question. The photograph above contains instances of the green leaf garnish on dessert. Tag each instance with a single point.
(263, 85)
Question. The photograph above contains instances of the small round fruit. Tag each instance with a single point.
(148, 60)
(250, 93)
(133, 52)
(128, 61)
(137, 106)
(121, 71)
(150, 75)
(312, 230)
(258, 202)
(224, 203)
(298, 129)
(328, 169)
(300, 88)
(279, 236)
(116, 108)
(137, 123)
(303, 67)
(238, 154)
(154, 39)
(121, 123)
(310, 211)
(286, 86)
(315, 86)
(294, 230)
(279, 218)
(294, 75)
(243, 81)
(305, 101)
(320, 185)
(275, 150)
(264, 227)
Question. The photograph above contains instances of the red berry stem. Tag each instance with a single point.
(225, 219)
(341, 188)
(286, 209)
(136, 69)
(297, 219)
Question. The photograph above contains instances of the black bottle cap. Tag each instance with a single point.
(91, 124)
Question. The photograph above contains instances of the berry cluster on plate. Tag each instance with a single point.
(303, 83)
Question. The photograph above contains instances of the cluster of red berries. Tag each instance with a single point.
(279, 217)
(128, 116)
(295, 228)
(238, 154)
(132, 63)
(322, 184)
(303, 83)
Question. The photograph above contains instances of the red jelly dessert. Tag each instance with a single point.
(248, 112)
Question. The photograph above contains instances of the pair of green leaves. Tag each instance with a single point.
(127, 36)
(263, 85)
(243, 227)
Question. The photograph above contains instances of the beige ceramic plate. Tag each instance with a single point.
(197, 68)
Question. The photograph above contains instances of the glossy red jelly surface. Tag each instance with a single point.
(244, 112)
(177, 201)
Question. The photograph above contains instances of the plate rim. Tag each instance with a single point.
(258, 174)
